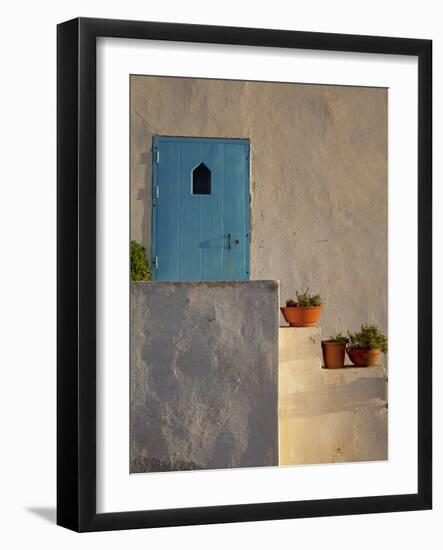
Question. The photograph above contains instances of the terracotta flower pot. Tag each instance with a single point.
(301, 316)
(364, 357)
(333, 354)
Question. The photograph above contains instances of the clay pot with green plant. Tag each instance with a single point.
(365, 346)
(334, 351)
(304, 312)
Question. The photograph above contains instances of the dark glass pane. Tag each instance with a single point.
(201, 180)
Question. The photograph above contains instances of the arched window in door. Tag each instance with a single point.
(201, 180)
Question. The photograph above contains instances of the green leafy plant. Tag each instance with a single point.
(339, 338)
(140, 270)
(369, 337)
(304, 299)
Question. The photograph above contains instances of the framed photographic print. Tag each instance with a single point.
(244, 274)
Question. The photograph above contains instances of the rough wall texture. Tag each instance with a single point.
(318, 180)
(204, 375)
(328, 415)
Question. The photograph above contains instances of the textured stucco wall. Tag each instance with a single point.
(318, 180)
(204, 375)
(328, 415)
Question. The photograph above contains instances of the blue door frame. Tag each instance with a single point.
(200, 209)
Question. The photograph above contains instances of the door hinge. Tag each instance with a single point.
(156, 262)
(157, 192)
(157, 156)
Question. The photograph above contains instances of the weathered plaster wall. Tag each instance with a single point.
(204, 375)
(328, 415)
(318, 180)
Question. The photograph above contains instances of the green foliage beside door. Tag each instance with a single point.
(140, 270)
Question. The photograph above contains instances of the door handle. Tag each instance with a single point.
(237, 241)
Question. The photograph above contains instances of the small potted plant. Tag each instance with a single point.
(334, 351)
(304, 312)
(366, 345)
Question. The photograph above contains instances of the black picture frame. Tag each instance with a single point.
(76, 279)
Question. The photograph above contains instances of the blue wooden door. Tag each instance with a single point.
(200, 221)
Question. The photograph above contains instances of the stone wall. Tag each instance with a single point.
(328, 415)
(318, 180)
(204, 375)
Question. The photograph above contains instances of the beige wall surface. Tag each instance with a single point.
(327, 415)
(318, 180)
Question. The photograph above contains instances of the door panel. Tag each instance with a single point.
(166, 219)
(233, 212)
(200, 232)
(212, 241)
(189, 206)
